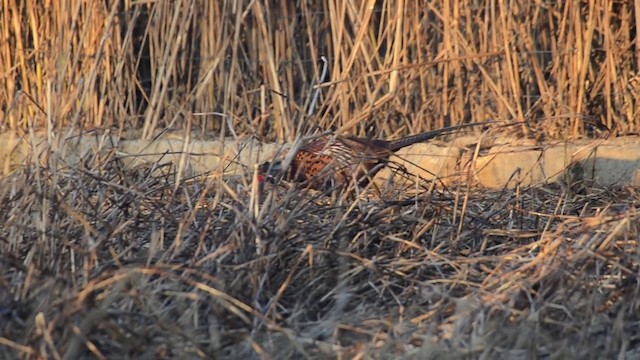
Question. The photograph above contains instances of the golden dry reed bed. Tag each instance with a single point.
(104, 260)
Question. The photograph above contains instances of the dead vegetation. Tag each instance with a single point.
(109, 261)
(183, 64)
(114, 262)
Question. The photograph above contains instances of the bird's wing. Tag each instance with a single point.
(316, 145)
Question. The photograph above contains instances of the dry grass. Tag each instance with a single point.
(108, 261)
(182, 64)
(113, 262)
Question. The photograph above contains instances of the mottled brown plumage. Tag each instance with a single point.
(331, 160)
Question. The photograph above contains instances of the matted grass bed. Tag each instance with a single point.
(110, 262)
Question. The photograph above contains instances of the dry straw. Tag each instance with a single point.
(107, 260)
(152, 65)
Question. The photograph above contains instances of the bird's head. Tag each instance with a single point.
(267, 171)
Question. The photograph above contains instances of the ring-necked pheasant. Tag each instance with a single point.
(331, 160)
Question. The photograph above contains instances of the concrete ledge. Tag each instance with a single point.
(597, 162)
(422, 161)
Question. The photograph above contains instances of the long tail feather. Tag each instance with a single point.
(394, 145)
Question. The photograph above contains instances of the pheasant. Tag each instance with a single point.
(331, 160)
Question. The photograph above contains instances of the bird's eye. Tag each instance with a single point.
(270, 169)
(264, 167)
